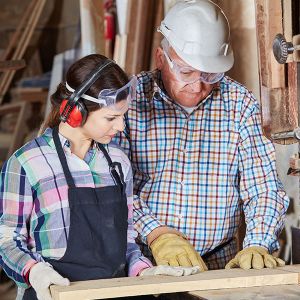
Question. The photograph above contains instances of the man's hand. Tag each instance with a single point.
(174, 250)
(256, 258)
(41, 276)
(171, 271)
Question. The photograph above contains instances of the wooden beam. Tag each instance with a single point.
(268, 24)
(12, 65)
(287, 24)
(92, 26)
(210, 280)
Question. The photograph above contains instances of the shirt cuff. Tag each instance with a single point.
(26, 269)
(146, 226)
(271, 247)
(143, 263)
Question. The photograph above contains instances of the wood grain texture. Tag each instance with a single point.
(279, 292)
(211, 280)
(268, 24)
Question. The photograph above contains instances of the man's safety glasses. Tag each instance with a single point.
(190, 75)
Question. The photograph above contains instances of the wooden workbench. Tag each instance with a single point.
(219, 280)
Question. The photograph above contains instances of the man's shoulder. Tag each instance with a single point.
(230, 85)
(146, 85)
(238, 97)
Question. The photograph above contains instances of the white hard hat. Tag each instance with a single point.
(198, 31)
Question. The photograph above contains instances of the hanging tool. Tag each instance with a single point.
(282, 48)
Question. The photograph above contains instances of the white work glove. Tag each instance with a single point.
(41, 276)
(171, 271)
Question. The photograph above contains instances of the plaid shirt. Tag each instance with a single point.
(196, 172)
(34, 207)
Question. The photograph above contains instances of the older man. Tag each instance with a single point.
(198, 153)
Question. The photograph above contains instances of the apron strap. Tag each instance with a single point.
(119, 179)
(62, 158)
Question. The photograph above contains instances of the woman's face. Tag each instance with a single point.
(103, 124)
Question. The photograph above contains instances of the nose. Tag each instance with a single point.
(119, 124)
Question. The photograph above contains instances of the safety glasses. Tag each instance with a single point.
(115, 99)
(190, 75)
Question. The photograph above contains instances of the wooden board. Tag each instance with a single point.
(92, 26)
(12, 65)
(279, 292)
(211, 280)
(269, 23)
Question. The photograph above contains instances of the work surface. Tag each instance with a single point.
(207, 281)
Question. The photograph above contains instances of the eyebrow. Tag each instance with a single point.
(114, 115)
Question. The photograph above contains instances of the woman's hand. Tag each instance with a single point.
(171, 271)
(41, 276)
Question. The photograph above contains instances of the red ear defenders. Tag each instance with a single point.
(73, 110)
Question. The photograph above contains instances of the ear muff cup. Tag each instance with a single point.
(77, 116)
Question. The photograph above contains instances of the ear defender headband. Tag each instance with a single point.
(73, 110)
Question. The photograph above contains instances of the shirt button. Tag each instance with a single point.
(180, 216)
(182, 183)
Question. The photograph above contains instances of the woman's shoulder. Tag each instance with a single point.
(35, 148)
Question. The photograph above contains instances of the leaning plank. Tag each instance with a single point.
(12, 65)
(219, 279)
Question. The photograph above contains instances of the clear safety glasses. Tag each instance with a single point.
(116, 99)
(190, 75)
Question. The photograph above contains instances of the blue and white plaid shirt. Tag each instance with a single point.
(197, 172)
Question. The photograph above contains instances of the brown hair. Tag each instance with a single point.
(113, 77)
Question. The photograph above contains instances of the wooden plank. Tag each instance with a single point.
(16, 35)
(279, 292)
(287, 23)
(139, 27)
(133, 286)
(12, 65)
(268, 24)
(157, 36)
(278, 114)
(92, 26)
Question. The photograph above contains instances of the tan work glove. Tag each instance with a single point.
(170, 271)
(254, 257)
(174, 250)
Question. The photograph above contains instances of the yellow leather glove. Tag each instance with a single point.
(174, 250)
(254, 257)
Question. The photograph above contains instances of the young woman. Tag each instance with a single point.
(66, 196)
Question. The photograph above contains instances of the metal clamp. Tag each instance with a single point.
(287, 135)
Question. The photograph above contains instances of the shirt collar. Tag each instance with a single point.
(48, 136)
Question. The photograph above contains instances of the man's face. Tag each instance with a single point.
(183, 93)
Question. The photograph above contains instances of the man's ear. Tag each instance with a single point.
(159, 58)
